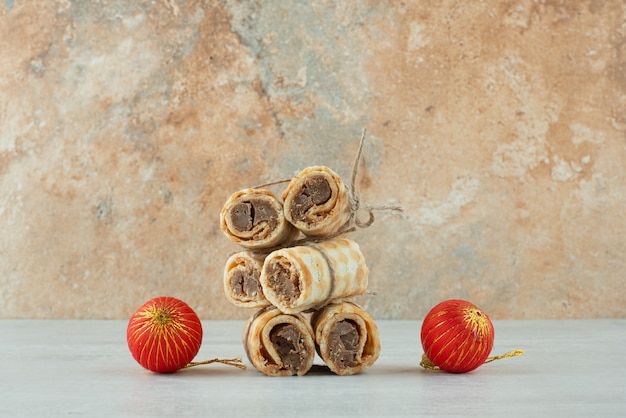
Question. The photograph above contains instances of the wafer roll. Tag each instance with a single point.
(346, 338)
(241, 280)
(253, 218)
(298, 279)
(279, 344)
(316, 201)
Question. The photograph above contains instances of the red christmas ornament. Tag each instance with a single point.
(456, 336)
(164, 335)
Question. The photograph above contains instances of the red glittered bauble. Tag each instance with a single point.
(164, 335)
(456, 336)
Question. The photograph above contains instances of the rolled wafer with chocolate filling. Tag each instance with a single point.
(279, 344)
(241, 280)
(316, 201)
(253, 218)
(297, 279)
(346, 337)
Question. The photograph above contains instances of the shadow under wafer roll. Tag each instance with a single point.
(346, 337)
(254, 219)
(279, 344)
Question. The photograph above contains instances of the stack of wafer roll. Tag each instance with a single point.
(301, 273)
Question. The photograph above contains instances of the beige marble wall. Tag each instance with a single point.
(500, 127)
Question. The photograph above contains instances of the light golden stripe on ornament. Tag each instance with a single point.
(452, 340)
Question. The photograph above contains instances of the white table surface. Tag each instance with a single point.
(83, 368)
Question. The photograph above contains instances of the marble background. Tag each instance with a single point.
(499, 126)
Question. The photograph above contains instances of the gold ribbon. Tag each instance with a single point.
(231, 362)
(427, 364)
(510, 354)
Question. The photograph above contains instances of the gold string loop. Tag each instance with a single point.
(427, 364)
(230, 362)
(510, 354)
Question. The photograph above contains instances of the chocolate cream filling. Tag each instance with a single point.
(290, 346)
(245, 284)
(344, 343)
(246, 215)
(314, 192)
(282, 282)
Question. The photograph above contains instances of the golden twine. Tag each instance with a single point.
(427, 364)
(510, 354)
(355, 201)
(355, 207)
(230, 362)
